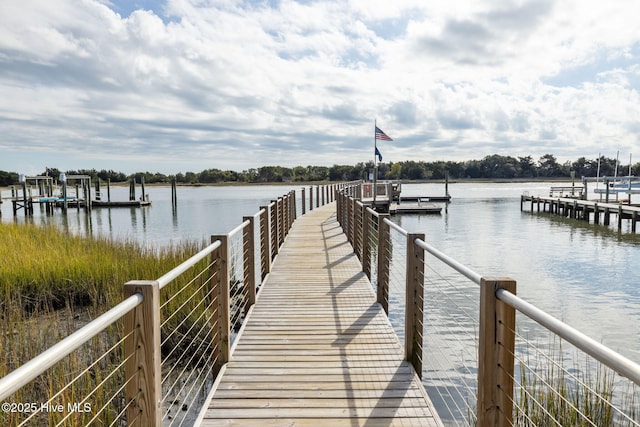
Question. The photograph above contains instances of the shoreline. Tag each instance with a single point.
(312, 183)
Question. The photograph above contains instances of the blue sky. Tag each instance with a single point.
(186, 85)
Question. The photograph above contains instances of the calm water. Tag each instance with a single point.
(201, 211)
(586, 275)
(583, 274)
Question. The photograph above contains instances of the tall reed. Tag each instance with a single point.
(549, 393)
(52, 283)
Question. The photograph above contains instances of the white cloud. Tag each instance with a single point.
(233, 84)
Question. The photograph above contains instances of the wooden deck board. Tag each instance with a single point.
(317, 349)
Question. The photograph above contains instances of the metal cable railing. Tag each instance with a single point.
(396, 258)
(11, 384)
(479, 367)
(451, 337)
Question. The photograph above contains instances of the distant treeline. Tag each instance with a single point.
(493, 166)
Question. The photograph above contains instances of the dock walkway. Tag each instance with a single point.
(316, 348)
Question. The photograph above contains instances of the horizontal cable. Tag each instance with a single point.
(186, 286)
(177, 345)
(603, 354)
(396, 227)
(171, 275)
(460, 268)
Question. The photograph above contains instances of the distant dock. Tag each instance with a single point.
(583, 209)
(71, 191)
(386, 196)
(414, 208)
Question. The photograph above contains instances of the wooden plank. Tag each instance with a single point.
(317, 349)
(317, 394)
(298, 402)
(323, 412)
(333, 422)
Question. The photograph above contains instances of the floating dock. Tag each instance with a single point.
(387, 198)
(414, 208)
(418, 199)
(120, 204)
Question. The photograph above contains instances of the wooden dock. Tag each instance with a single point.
(583, 209)
(317, 349)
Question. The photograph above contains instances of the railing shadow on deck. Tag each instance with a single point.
(174, 334)
(397, 386)
(483, 368)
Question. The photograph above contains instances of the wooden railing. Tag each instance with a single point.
(192, 314)
(369, 233)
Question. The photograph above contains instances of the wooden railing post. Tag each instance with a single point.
(265, 242)
(304, 202)
(286, 214)
(282, 224)
(357, 229)
(366, 237)
(294, 208)
(310, 199)
(249, 266)
(414, 302)
(495, 354)
(323, 199)
(275, 239)
(350, 225)
(142, 328)
(221, 317)
(282, 211)
(317, 196)
(384, 247)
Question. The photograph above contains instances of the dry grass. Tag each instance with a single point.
(52, 283)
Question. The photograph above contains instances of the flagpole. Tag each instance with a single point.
(375, 162)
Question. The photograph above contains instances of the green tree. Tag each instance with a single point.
(548, 166)
(527, 167)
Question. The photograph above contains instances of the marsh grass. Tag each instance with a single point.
(549, 394)
(51, 284)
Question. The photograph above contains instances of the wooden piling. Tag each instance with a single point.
(174, 193)
(132, 189)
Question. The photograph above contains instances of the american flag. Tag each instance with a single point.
(382, 135)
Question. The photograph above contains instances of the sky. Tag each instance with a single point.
(187, 85)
